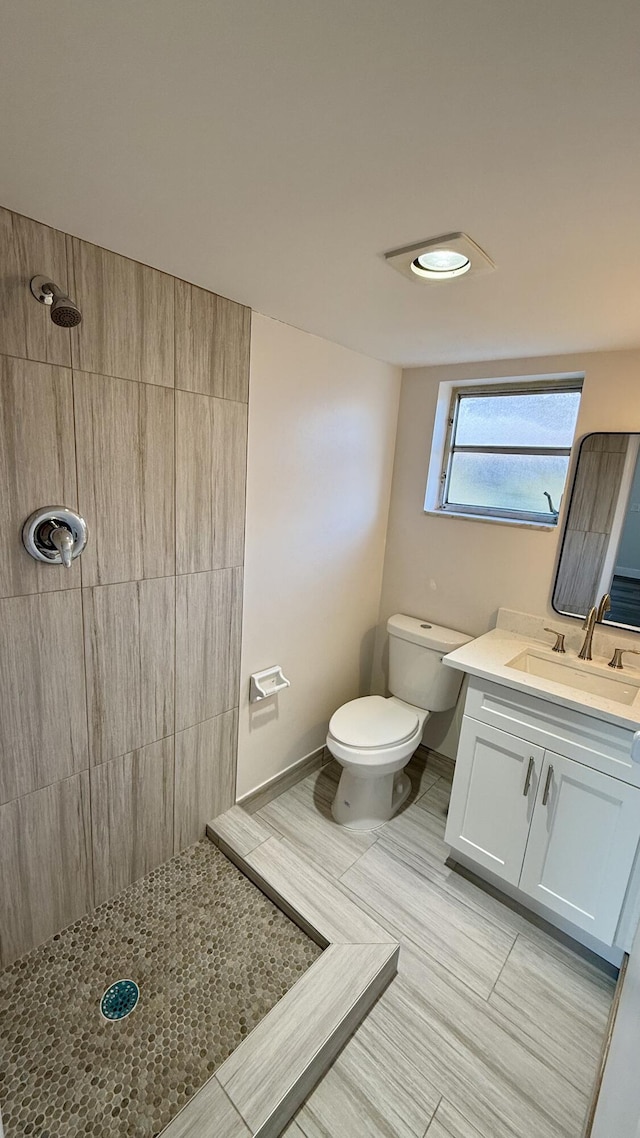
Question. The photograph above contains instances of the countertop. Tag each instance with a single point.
(488, 657)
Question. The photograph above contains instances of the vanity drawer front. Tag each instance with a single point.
(603, 746)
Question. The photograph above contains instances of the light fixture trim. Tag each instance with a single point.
(420, 262)
(441, 264)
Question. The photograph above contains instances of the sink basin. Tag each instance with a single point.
(578, 674)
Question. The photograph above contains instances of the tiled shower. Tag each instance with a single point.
(119, 676)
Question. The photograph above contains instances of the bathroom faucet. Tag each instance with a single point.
(604, 606)
(589, 625)
(594, 616)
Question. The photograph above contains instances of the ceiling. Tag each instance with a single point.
(273, 150)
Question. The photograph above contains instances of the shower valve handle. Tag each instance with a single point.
(62, 538)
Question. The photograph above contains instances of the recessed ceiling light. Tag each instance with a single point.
(441, 264)
(440, 258)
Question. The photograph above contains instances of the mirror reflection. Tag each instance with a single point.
(601, 544)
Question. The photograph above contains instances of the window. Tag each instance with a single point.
(507, 450)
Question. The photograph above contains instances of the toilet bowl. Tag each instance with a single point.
(373, 738)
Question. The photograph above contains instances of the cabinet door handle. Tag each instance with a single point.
(547, 785)
(530, 770)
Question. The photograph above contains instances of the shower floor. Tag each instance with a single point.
(211, 955)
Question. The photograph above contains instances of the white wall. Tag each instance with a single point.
(457, 572)
(322, 423)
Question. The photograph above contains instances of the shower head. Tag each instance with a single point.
(64, 311)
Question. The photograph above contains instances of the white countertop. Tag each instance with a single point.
(489, 655)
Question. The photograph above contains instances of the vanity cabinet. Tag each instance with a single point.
(536, 817)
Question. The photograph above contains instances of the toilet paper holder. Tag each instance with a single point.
(267, 683)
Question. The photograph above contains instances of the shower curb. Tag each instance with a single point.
(259, 1088)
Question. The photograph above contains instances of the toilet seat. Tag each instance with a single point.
(372, 723)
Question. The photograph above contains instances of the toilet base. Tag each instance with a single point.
(367, 803)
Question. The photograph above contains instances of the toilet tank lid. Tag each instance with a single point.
(428, 635)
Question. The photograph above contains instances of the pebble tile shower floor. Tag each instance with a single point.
(211, 955)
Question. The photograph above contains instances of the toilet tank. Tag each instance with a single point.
(416, 672)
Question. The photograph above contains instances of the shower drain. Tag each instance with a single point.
(120, 999)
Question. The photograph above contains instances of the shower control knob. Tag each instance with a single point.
(55, 534)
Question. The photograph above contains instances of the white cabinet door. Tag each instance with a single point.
(584, 834)
(492, 799)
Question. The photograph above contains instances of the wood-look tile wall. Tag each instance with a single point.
(118, 678)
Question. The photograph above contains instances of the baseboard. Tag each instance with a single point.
(282, 781)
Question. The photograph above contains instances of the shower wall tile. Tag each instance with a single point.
(28, 249)
(211, 461)
(43, 727)
(132, 817)
(212, 343)
(37, 467)
(208, 627)
(205, 775)
(46, 864)
(96, 680)
(129, 646)
(127, 328)
(125, 478)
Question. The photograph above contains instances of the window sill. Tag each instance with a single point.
(492, 521)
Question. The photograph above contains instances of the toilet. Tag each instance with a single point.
(373, 738)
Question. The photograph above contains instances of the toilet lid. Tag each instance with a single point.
(372, 722)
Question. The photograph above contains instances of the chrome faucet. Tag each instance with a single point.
(594, 616)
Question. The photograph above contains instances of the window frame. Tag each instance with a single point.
(438, 502)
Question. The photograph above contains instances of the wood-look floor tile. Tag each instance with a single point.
(124, 435)
(475, 1052)
(239, 830)
(303, 815)
(457, 1042)
(315, 896)
(211, 461)
(421, 774)
(45, 839)
(205, 775)
(127, 327)
(132, 817)
(28, 249)
(209, 1114)
(43, 722)
(436, 799)
(129, 650)
(293, 1130)
(449, 1123)
(417, 837)
(556, 1008)
(370, 1092)
(212, 343)
(259, 1078)
(37, 467)
(323, 784)
(473, 947)
(208, 630)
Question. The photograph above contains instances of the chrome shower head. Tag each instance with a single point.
(64, 311)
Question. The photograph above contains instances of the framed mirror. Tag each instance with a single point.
(601, 543)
